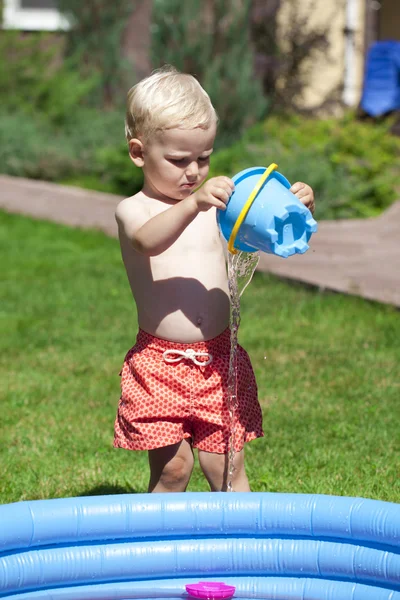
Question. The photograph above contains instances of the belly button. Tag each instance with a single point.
(199, 320)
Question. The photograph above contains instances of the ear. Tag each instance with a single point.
(136, 152)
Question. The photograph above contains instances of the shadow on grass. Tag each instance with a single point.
(107, 489)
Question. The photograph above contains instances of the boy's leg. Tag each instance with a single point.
(171, 467)
(215, 468)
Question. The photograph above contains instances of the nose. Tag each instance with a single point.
(192, 169)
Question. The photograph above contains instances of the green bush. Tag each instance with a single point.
(352, 166)
(35, 79)
(99, 139)
(124, 177)
(31, 147)
(87, 151)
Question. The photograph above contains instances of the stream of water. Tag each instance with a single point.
(241, 267)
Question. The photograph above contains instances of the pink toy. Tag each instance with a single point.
(210, 590)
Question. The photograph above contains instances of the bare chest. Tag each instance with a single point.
(202, 234)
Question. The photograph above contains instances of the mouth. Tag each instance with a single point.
(189, 186)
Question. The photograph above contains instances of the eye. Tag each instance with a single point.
(204, 158)
(177, 161)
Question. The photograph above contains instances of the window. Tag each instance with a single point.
(32, 15)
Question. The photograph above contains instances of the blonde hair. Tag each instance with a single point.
(167, 99)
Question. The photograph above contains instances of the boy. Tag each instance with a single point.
(173, 385)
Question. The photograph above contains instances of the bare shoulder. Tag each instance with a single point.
(131, 213)
(130, 208)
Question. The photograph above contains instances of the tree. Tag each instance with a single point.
(95, 37)
(210, 39)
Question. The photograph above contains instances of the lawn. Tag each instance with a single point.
(327, 366)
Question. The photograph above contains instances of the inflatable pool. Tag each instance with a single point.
(271, 546)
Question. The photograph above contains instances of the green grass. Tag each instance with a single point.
(327, 366)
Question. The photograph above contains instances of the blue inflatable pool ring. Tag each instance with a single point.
(271, 546)
(263, 214)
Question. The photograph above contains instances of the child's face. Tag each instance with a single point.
(177, 161)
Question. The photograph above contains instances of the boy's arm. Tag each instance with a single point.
(152, 236)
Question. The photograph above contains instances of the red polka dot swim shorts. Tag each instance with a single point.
(172, 391)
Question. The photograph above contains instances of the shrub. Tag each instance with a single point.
(89, 150)
(34, 79)
(29, 147)
(352, 166)
(99, 139)
(33, 146)
(119, 171)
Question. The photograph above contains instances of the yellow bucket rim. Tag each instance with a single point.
(247, 205)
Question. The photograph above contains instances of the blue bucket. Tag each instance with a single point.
(276, 223)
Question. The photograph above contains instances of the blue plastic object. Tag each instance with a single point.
(277, 222)
(266, 545)
(381, 90)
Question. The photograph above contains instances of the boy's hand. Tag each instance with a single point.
(215, 192)
(305, 194)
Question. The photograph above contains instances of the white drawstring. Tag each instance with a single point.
(190, 354)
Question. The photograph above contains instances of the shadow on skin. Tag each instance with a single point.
(186, 294)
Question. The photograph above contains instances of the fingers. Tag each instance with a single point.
(225, 180)
(222, 182)
(221, 188)
(297, 187)
(218, 204)
(221, 193)
(300, 190)
(308, 201)
(305, 194)
(215, 192)
(309, 204)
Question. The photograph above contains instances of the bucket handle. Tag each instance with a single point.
(247, 206)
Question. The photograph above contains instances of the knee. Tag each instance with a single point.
(176, 473)
(216, 469)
